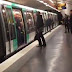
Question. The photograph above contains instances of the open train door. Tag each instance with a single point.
(20, 26)
(10, 27)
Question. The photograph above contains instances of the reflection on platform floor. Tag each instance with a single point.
(56, 57)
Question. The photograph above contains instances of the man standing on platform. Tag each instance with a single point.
(39, 30)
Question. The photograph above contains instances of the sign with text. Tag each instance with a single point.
(62, 6)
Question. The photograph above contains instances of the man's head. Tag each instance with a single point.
(38, 13)
(65, 15)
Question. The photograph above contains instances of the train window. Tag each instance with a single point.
(10, 24)
(44, 21)
(30, 26)
(6, 24)
(30, 22)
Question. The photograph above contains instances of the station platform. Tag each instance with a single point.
(56, 57)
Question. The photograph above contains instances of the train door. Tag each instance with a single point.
(2, 38)
(54, 20)
(56, 17)
(30, 27)
(20, 29)
(11, 40)
(46, 17)
(44, 20)
(2, 46)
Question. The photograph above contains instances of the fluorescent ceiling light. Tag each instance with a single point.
(45, 3)
(41, 1)
(5, 2)
(60, 2)
(51, 1)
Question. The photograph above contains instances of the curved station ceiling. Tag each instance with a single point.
(40, 4)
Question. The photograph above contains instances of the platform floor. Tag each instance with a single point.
(56, 57)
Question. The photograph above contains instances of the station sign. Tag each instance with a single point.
(62, 6)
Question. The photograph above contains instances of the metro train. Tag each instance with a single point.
(17, 26)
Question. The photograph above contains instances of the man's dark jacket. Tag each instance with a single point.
(39, 23)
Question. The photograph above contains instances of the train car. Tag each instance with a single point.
(18, 23)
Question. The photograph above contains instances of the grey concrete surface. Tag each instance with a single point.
(56, 57)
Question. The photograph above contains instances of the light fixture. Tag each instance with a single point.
(60, 2)
(40, 1)
(51, 1)
(3, 11)
(5, 2)
(45, 3)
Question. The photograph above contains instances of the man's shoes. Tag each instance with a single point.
(39, 46)
(44, 45)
